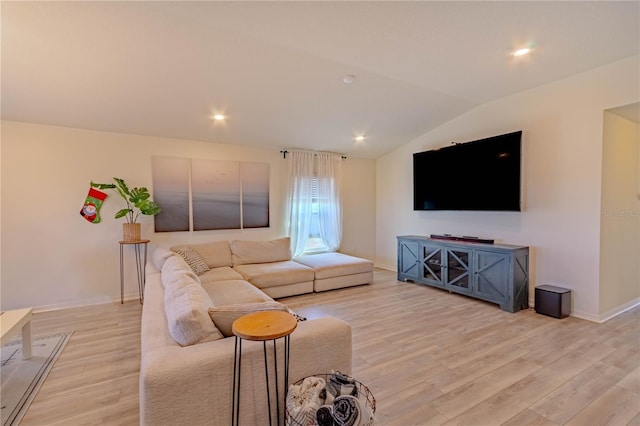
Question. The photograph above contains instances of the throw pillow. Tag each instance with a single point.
(224, 316)
(246, 252)
(193, 259)
(186, 308)
(215, 253)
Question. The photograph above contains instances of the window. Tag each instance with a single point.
(315, 243)
(314, 211)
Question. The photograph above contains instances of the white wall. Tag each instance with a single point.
(562, 162)
(620, 219)
(358, 204)
(52, 257)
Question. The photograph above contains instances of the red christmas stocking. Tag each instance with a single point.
(91, 208)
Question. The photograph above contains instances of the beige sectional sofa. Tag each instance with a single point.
(268, 265)
(186, 371)
(265, 264)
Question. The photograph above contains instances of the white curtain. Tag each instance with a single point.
(329, 205)
(301, 176)
(325, 169)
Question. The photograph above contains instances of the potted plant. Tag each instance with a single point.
(138, 202)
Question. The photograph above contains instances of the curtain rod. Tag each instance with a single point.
(284, 153)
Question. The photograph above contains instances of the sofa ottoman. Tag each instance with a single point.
(337, 270)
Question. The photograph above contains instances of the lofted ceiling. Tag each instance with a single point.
(276, 69)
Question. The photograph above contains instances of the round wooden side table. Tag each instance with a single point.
(262, 326)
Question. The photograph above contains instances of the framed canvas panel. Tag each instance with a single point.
(171, 192)
(255, 195)
(215, 192)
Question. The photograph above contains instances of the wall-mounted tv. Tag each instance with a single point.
(478, 175)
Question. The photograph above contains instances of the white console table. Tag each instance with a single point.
(11, 322)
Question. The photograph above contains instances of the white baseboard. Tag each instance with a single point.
(82, 303)
(386, 267)
(604, 317)
(611, 313)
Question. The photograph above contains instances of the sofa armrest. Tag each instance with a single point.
(194, 384)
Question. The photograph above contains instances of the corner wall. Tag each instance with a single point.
(562, 169)
(620, 220)
(53, 258)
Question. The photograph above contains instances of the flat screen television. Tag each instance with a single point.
(481, 175)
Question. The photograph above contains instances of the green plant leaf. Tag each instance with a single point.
(122, 186)
(149, 208)
(102, 185)
(138, 200)
(122, 194)
(138, 195)
(123, 213)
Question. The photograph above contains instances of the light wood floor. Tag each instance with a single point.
(429, 358)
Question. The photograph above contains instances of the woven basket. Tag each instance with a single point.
(363, 391)
(131, 231)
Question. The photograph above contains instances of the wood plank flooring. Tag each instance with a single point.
(429, 358)
(95, 379)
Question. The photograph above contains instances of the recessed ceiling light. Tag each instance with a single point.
(522, 52)
(218, 117)
(359, 138)
(349, 78)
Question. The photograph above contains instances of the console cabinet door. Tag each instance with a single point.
(491, 277)
(457, 273)
(432, 268)
(408, 260)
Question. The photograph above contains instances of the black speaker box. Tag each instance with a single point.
(553, 301)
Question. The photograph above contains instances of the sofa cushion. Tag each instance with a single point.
(248, 252)
(329, 265)
(160, 255)
(223, 273)
(193, 259)
(264, 275)
(216, 253)
(234, 291)
(176, 272)
(186, 307)
(224, 316)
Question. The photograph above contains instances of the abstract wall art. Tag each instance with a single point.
(200, 195)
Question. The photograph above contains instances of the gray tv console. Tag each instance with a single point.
(497, 273)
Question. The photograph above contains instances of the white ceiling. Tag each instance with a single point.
(276, 68)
